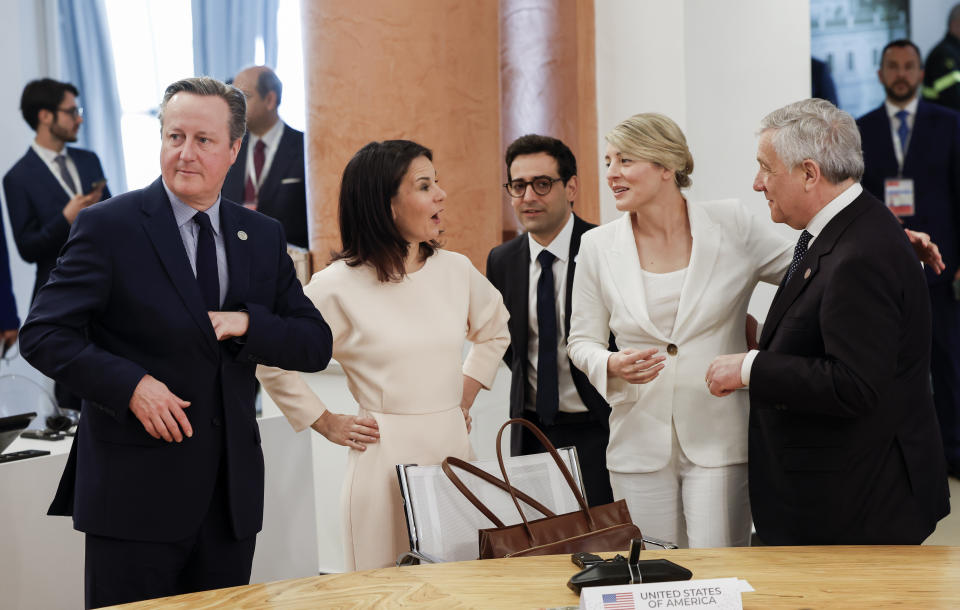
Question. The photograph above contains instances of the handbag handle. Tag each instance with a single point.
(446, 464)
(556, 458)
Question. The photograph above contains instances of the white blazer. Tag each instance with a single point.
(732, 250)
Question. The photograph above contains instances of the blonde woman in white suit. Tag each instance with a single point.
(671, 279)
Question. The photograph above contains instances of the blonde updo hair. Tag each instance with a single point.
(655, 138)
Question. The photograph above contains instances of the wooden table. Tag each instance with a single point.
(783, 577)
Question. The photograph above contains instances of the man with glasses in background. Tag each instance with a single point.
(51, 183)
(534, 272)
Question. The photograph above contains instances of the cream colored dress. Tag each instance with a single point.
(400, 345)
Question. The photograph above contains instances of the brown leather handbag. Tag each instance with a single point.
(600, 528)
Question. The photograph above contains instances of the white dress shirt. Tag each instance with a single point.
(814, 227)
(569, 399)
(48, 157)
(271, 141)
(892, 111)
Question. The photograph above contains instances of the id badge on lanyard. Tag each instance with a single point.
(898, 195)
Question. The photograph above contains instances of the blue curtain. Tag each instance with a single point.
(86, 60)
(225, 34)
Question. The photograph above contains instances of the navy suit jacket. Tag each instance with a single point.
(283, 193)
(8, 305)
(123, 302)
(933, 162)
(508, 268)
(35, 201)
(844, 441)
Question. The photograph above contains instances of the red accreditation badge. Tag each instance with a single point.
(898, 195)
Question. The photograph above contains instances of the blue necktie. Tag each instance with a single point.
(547, 392)
(207, 275)
(903, 131)
(798, 253)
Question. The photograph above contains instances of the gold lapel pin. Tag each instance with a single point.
(243, 237)
(806, 274)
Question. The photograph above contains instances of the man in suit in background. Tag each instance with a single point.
(268, 175)
(9, 322)
(51, 183)
(162, 304)
(941, 85)
(913, 147)
(534, 272)
(844, 442)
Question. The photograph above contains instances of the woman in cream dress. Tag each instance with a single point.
(400, 309)
(671, 279)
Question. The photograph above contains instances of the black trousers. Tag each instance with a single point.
(122, 571)
(945, 369)
(589, 436)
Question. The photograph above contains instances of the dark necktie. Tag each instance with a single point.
(250, 190)
(798, 253)
(547, 392)
(903, 131)
(207, 275)
(61, 161)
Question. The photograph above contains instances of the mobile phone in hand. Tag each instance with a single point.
(97, 184)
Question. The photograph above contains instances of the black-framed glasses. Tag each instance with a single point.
(75, 111)
(541, 186)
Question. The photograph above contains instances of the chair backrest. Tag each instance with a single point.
(442, 524)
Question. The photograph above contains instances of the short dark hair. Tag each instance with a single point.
(206, 85)
(267, 81)
(532, 144)
(901, 43)
(43, 94)
(367, 230)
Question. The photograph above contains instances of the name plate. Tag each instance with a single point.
(715, 594)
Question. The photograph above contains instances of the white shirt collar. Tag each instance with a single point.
(47, 154)
(893, 109)
(271, 138)
(183, 213)
(826, 214)
(559, 247)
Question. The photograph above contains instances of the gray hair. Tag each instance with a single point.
(205, 85)
(817, 130)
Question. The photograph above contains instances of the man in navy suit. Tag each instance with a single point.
(162, 304)
(52, 182)
(268, 175)
(844, 446)
(910, 142)
(543, 184)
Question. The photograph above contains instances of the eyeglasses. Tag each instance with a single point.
(75, 112)
(541, 186)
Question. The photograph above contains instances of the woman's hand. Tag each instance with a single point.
(349, 430)
(635, 366)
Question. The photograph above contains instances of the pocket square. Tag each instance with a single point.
(291, 180)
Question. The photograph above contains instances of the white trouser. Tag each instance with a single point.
(689, 505)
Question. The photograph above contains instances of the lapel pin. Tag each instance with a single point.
(243, 237)
(806, 274)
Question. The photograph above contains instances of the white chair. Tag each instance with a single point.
(442, 524)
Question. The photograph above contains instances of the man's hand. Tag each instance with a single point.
(160, 410)
(927, 251)
(723, 374)
(227, 324)
(7, 339)
(635, 366)
(349, 430)
(79, 202)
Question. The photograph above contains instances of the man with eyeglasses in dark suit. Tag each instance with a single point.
(543, 184)
(51, 183)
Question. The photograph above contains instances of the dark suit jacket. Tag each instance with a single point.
(35, 202)
(508, 268)
(8, 305)
(123, 302)
(933, 161)
(844, 442)
(283, 193)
